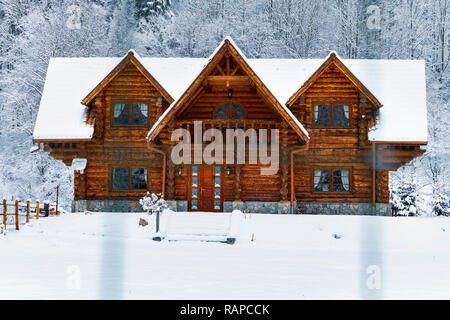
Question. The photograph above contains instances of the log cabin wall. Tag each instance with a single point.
(228, 83)
(253, 186)
(332, 147)
(124, 146)
(117, 146)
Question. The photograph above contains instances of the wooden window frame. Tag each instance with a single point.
(331, 169)
(129, 168)
(331, 104)
(230, 113)
(130, 116)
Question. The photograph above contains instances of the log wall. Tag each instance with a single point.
(340, 148)
(336, 148)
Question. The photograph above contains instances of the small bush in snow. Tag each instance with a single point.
(441, 205)
(153, 203)
(406, 199)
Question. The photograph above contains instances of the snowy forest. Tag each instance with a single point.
(32, 31)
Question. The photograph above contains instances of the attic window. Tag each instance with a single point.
(130, 114)
(229, 110)
(332, 115)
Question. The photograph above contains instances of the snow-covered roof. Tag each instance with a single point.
(398, 84)
(228, 39)
(69, 80)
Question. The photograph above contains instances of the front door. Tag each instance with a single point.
(205, 188)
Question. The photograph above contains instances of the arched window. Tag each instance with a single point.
(229, 111)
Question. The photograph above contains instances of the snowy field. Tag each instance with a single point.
(109, 256)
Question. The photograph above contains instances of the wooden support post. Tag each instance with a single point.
(237, 183)
(170, 176)
(158, 106)
(374, 164)
(37, 209)
(5, 209)
(284, 161)
(16, 213)
(99, 117)
(28, 211)
(170, 180)
(57, 196)
(46, 208)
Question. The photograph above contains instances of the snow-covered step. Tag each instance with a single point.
(188, 237)
(199, 226)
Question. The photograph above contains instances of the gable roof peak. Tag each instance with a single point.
(334, 58)
(227, 41)
(133, 57)
(332, 54)
(244, 63)
(131, 52)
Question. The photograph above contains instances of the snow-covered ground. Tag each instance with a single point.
(108, 256)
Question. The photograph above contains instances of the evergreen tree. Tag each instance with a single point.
(440, 205)
(404, 191)
(405, 199)
(153, 8)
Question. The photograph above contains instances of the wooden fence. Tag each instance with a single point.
(28, 210)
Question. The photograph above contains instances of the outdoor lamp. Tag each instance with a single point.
(180, 170)
(228, 170)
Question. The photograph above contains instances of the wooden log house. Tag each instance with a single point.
(342, 126)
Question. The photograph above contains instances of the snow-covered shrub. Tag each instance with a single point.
(441, 205)
(406, 199)
(153, 203)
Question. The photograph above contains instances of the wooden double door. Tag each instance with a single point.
(205, 188)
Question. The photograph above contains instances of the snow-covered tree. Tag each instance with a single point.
(404, 198)
(153, 203)
(404, 194)
(440, 205)
(152, 8)
(43, 29)
(122, 28)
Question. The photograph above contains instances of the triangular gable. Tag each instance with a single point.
(333, 58)
(134, 59)
(240, 58)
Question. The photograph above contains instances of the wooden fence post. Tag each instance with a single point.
(4, 212)
(28, 210)
(37, 209)
(17, 214)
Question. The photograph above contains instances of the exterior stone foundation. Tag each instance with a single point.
(119, 205)
(106, 206)
(179, 205)
(282, 207)
(381, 209)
